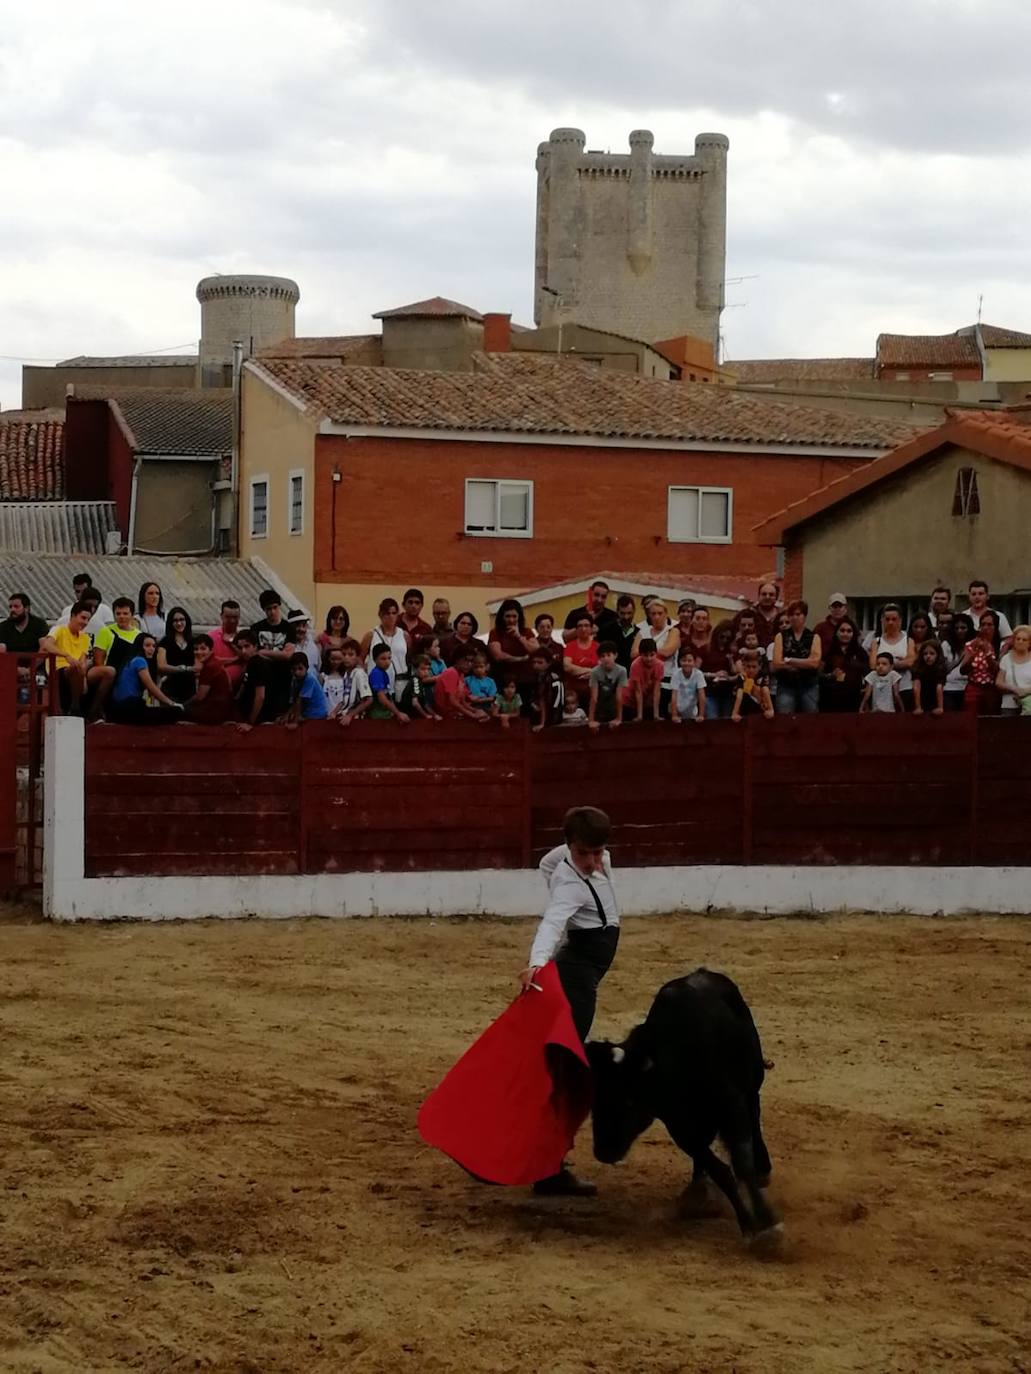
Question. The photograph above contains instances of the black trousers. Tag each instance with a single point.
(582, 963)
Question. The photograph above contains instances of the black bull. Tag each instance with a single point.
(696, 1065)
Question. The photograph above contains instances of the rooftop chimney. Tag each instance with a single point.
(497, 333)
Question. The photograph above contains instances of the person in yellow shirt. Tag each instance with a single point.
(75, 676)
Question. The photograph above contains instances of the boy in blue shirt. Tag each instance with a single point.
(307, 699)
(383, 704)
(483, 690)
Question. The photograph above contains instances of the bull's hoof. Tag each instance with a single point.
(768, 1244)
(696, 1203)
(762, 1180)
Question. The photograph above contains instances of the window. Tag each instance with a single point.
(499, 508)
(700, 515)
(965, 500)
(259, 507)
(295, 497)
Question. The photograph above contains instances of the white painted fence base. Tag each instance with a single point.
(768, 890)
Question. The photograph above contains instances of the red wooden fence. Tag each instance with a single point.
(8, 770)
(803, 790)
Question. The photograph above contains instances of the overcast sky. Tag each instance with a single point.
(380, 151)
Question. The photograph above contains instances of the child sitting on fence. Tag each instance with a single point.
(417, 697)
(383, 704)
(753, 695)
(212, 702)
(307, 699)
(510, 703)
(881, 693)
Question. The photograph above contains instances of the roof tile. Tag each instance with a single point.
(758, 370)
(928, 350)
(995, 337)
(31, 460)
(509, 393)
(437, 306)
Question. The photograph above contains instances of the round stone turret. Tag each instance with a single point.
(258, 310)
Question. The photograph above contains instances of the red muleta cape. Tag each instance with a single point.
(510, 1108)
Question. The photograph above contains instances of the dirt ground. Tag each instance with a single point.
(210, 1158)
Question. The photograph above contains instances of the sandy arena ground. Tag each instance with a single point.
(210, 1159)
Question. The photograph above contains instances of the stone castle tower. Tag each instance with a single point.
(636, 243)
(258, 311)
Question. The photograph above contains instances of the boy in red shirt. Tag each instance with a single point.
(451, 695)
(641, 694)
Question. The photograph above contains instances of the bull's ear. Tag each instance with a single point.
(618, 1054)
(647, 1064)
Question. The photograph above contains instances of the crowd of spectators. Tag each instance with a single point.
(135, 662)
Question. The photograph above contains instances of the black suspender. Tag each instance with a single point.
(594, 893)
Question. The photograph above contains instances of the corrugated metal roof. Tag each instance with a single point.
(199, 584)
(56, 526)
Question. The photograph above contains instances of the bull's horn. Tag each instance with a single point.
(618, 1054)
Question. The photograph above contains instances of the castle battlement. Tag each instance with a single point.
(632, 242)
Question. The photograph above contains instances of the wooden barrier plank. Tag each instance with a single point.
(265, 862)
(232, 803)
(898, 846)
(432, 861)
(327, 839)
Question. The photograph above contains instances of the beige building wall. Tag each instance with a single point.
(174, 506)
(276, 441)
(901, 537)
(1007, 365)
(47, 386)
(436, 343)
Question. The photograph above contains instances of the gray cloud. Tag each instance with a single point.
(383, 151)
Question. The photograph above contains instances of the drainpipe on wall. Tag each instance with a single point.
(130, 539)
(234, 471)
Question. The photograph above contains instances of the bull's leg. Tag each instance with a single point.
(737, 1131)
(723, 1177)
(763, 1166)
(696, 1201)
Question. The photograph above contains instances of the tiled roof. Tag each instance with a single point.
(192, 423)
(437, 306)
(199, 584)
(928, 350)
(801, 369)
(31, 460)
(56, 526)
(133, 360)
(508, 393)
(994, 337)
(994, 433)
(363, 347)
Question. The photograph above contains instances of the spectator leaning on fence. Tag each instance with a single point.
(642, 696)
(688, 688)
(720, 677)
(254, 706)
(961, 632)
(844, 670)
(980, 666)
(420, 691)
(275, 641)
(607, 682)
(929, 680)
(601, 616)
(22, 632)
(135, 684)
(895, 641)
(388, 632)
(348, 693)
(450, 693)
(881, 692)
(338, 628)
(548, 690)
(666, 638)
(307, 699)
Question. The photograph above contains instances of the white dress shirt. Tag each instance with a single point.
(570, 903)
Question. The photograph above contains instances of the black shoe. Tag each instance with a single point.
(564, 1184)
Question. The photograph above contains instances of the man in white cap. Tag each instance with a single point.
(837, 610)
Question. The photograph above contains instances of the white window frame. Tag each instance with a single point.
(258, 480)
(727, 538)
(295, 473)
(498, 483)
